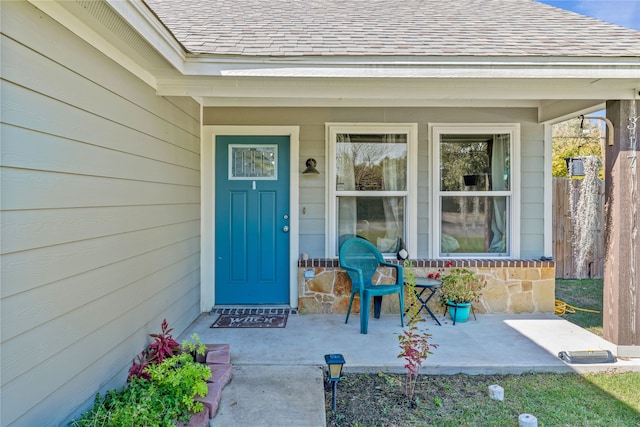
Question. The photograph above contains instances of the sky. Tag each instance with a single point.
(621, 12)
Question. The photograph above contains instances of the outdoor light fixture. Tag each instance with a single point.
(311, 167)
(575, 166)
(334, 362)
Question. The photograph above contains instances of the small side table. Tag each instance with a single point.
(424, 284)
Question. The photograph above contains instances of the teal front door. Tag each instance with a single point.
(252, 220)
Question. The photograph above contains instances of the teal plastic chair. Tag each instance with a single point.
(361, 259)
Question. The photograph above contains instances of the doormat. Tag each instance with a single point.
(251, 321)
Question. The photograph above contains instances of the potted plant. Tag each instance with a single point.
(460, 288)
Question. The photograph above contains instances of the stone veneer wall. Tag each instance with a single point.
(512, 286)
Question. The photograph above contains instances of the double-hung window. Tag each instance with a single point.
(475, 183)
(372, 185)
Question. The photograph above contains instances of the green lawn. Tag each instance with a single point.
(586, 294)
(557, 400)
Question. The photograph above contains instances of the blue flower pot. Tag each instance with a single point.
(459, 312)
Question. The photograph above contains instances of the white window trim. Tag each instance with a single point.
(513, 129)
(411, 130)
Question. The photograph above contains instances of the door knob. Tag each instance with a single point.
(285, 229)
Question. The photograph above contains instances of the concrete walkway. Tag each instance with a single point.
(277, 373)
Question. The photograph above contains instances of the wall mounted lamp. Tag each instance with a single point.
(311, 167)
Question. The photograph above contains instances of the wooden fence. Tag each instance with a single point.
(563, 253)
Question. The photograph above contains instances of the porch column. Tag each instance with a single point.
(621, 308)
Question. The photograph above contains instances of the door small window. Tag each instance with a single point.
(370, 188)
(254, 162)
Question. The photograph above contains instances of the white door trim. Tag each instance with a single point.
(207, 205)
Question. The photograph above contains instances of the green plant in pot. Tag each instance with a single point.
(460, 288)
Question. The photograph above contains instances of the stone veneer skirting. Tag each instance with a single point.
(512, 286)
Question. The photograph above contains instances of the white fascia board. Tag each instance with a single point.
(391, 67)
(148, 26)
(481, 71)
(295, 101)
(417, 90)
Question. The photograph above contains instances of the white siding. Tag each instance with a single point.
(312, 188)
(100, 219)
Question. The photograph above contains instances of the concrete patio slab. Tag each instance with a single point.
(285, 363)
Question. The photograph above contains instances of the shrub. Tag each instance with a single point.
(194, 348)
(163, 400)
(162, 386)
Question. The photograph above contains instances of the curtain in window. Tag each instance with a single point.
(499, 182)
(347, 208)
(394, 177)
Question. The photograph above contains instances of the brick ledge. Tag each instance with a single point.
(442, 263)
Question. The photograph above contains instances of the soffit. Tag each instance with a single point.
(126, 32)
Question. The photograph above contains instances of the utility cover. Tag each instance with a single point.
(588, 356)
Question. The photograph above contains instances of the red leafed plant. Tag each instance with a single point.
(138, 367)
(162, 347)
(414, 343)
(415, 347)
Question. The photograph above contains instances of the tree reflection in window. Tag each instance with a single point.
(473, 168)
(371, 186)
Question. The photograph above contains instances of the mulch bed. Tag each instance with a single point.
(379, 399)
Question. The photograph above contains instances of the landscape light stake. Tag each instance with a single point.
(334, 363)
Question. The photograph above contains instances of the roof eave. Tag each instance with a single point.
(413, 67)
(125, 31)
(146, 23)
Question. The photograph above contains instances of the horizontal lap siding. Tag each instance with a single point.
(312, 144)
(311, 198)
(100, 219)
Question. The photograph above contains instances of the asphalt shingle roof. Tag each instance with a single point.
(286, 28)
